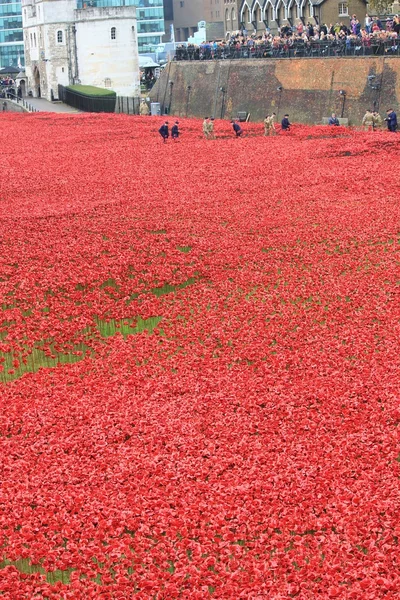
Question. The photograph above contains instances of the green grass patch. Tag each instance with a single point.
(23, 565)
(167, 288)
(127, 326)
(31, 360)
(91, 90)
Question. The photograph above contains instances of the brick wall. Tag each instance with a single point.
(310, 87)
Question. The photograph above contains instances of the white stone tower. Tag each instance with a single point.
(91, 46)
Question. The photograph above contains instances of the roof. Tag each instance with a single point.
(146, 62)
(9, 71)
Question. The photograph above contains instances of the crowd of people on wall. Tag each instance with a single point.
(7, 87)
(360, 37)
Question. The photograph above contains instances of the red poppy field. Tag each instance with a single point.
(199, 356)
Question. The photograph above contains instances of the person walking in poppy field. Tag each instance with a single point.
(206, 128)
(175, 131)
(285, 123)
(368, 120)
(266, 125)
(236, 128)
(164, 131)
(376, 120)
(391, 120)
(269, 125)
(211, 134)
(272, 130)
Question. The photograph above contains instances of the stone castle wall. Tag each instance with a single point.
(310, 87)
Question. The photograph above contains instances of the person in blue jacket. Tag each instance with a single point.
(164, 132)
(333, 120)
(175, 131)
(391, 120)
(285, 123)
(236, 128)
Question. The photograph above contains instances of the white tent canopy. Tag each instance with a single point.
(146, 62)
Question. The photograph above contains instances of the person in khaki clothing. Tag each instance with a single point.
(211, 134)
(272, 130)
(269, 125)
(376, 120)
(206, 128)
(368, 121)
(266, 125)
(143, 108)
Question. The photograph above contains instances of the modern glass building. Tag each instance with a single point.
(11, 36)
(150, 19)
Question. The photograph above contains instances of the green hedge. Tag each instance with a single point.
(91, 90)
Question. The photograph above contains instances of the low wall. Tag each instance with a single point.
(310, 87)
(11, 106)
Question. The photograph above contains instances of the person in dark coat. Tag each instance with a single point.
(285, 123)
(391, 120)
(175, 131)
(333, 120)
(164, 132)
(236, 128)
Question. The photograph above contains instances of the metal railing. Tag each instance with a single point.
(121, 104)
(292, 49)
(20, 101)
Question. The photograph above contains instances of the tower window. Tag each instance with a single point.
(113, 33)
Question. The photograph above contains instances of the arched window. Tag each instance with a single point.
(60, 37)
(113, 33)
(233, 16)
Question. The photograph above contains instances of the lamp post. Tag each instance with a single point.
(375, 85)
(223, 92)
(343, 96)
(189, 89)
(171, 85)
(280, 90)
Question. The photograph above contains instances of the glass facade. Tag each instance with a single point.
(150, 17)
(11, 37)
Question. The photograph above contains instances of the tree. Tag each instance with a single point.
(381, 7)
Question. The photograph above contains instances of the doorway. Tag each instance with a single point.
(36, 76)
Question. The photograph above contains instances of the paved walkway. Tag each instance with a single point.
(45, 106)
